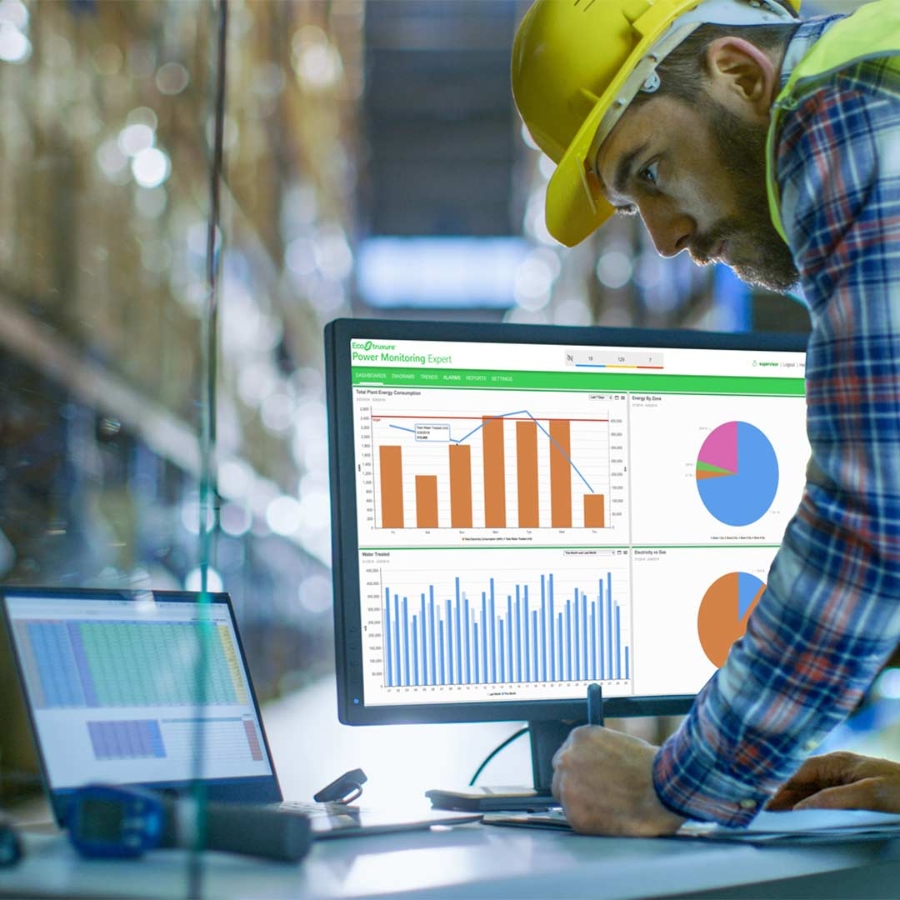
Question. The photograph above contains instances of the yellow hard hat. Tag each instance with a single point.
(576, 66)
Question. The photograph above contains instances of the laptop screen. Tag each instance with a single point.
(112, 681)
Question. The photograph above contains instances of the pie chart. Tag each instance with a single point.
(724, 611)
(737, 473)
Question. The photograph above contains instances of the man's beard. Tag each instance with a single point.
(757, 252)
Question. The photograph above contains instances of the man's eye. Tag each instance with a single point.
(650, 174)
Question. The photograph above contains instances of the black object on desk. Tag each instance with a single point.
(486, 799)
(125, 821)
(345, 789)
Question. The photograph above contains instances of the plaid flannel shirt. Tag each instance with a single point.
(831, 612)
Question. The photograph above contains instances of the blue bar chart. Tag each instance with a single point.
(527, 632)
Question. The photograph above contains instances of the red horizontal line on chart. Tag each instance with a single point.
(479, 418)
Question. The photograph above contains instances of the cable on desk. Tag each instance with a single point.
(495, 751)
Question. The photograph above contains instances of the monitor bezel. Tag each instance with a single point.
(352, 708)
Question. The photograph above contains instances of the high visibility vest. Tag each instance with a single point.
(872, 32)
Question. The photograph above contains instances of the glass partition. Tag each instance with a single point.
(108, 114)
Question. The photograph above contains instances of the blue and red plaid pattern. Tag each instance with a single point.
(831, 612)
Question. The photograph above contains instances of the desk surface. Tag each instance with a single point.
(477, 861)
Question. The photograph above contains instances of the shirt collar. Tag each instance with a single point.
(800, 44)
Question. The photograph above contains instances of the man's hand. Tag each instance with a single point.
(604, 781)
(841, 781)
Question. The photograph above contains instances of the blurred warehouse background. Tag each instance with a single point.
(374, 166)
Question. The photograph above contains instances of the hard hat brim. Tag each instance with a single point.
(575, 205)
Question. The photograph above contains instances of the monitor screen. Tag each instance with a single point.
(521, 511)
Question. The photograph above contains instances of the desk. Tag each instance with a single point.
(479, 861)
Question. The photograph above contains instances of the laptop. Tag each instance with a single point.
(111, 682)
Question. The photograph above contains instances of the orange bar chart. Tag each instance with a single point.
(594, 511)
(494, 473)
(560, 474)
(527, 474)
(460, 486)
(426, 501)
(391, 459)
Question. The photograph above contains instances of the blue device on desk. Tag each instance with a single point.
(108, 821)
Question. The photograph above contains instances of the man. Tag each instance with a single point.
(773, 146)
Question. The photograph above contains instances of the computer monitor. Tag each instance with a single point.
(520, 511)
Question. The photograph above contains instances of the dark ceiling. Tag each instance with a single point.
(441, 130)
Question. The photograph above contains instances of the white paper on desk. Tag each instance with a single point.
(802, 825)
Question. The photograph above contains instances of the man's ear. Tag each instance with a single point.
(742, 76)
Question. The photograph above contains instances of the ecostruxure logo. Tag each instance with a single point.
(368, 346)
(362, 352)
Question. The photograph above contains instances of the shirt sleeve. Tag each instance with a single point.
(831, 612)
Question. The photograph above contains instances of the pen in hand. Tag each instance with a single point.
(594, 705)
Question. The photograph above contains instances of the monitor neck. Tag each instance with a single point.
(546, 738)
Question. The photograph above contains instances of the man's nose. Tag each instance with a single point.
(671, 232)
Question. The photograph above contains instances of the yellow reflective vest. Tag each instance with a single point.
(872, 32)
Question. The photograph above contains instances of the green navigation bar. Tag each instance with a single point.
(577, 381)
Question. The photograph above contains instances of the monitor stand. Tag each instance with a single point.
(546, 738)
